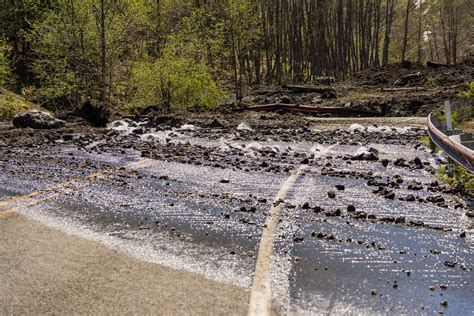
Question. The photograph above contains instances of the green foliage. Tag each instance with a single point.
(67, 46)
(5, 69)
(454, 117)
(11, 104)
(173, 83)
(457, 176)
(468, 93)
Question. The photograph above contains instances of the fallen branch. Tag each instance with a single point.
(403, 89)
(342, 111)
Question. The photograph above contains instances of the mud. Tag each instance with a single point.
(203, 185)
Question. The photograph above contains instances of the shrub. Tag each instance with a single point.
(458, 176)
(173, 83)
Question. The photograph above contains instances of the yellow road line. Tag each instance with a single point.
(12, 211)
(60, 185)
(260, 296)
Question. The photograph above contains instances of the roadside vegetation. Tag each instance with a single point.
(458, 177)
(455, 175)
(12, 104)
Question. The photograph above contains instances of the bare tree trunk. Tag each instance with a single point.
(405, 34)
(103, 50)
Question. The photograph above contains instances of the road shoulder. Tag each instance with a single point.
(47, 271)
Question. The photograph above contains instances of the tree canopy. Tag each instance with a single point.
(195, 53)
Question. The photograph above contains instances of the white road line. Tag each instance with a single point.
(260, 297)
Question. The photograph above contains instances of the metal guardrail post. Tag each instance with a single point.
(447, 110)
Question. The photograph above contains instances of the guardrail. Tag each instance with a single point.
(455, 150)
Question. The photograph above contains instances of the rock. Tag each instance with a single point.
(390, 195)
(139, 131)
(331, 213)
(462, 235)
(285, 99)
(340, 187)
(415, 186)
(410, 198)
(400, 162)
(417, 161)
(332, 194)
(400, 220)
(305, 206)
(470, 214)
(329, 94)
(360, 215)
(215, 124)
(37, 120)
(318, 235)
(416, 223)
(406, 79)
(373, 292)
(449, 264)
(298, 239)
(68, 137)
(351, 208)
(444, 303)
(385, 162)
(224, 181)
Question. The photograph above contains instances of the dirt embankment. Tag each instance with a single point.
(402, 89)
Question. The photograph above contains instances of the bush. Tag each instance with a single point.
(458, 176)
(467, 94)
(173, 83)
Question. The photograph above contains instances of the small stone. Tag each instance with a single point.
(351, 208)
(224, 181)
(400, 220)
(332, 194)
(462, 235)
(449, 264)
(373, 292)
(340, 187)
(305, 206)
(444, 303)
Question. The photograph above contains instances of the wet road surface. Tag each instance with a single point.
(329, 233)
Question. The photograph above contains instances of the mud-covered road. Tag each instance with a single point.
(303, 219)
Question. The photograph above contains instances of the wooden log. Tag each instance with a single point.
(341, 111)
(403, 89)
(435, 65)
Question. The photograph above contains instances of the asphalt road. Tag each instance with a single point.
(230, 225)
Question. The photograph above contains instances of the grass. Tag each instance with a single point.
(458, 176)
(12, 104)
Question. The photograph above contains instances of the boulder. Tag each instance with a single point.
(37, 120)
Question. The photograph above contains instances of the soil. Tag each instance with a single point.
(420, 89)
